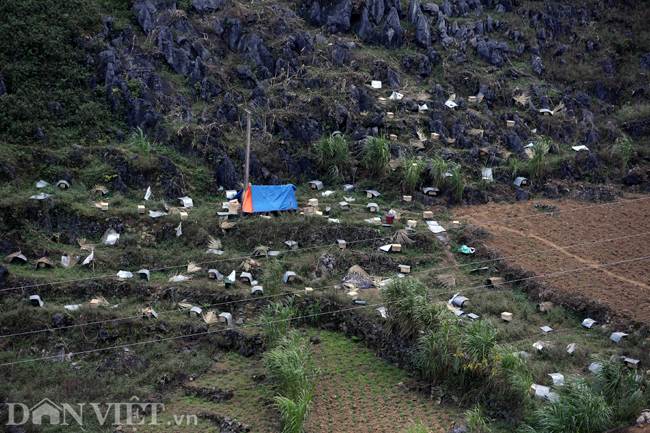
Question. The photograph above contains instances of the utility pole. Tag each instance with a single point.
(248, 149)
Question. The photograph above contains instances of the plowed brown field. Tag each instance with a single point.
(624, 287)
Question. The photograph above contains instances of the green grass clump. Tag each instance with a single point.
(333, 154)
(577, 409)
(413, 169)
(376, 155)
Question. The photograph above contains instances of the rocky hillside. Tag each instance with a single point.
(78, 77)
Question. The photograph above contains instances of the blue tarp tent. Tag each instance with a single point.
(268, 198)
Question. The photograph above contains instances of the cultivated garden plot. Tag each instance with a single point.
(624, 287)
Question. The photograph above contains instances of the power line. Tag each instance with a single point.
(321, 314)
(330, 286)
(331, 245)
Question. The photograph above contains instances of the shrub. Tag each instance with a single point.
(413, 169)
(333, 154)
(376, 155)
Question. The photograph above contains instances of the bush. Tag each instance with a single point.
(376, 155)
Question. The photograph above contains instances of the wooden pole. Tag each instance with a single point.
(248, 149)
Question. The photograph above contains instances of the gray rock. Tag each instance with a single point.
(431, 8)
(393, 79)
(176, 58)
(446, 9)
(422, 31)
(366, 29)
(434, 58)
(3, 275)
(391, 34)
(234, 34)
(559, 50)
(38, 134)
(377, 9)
(339, 19)
(583, 99)
(407, 62)
(644, 63)
(521, 195)
(414, 11)
(460, 429)
(208, 6)
(536, 63)
(146, 15)
(515, 144)
(224, 170)
(424, 66)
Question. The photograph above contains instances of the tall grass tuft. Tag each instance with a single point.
(621, 388)
(476, 419)
(625, 150)
(455, 182)
(291, 366)
(409, 309)
(417, 427)
(514, 167)
(376, 155)
(439, 168)
(479, 340)
(275, 321)
(139, 140)
(294, 412)
(577, 409)
(413, 169)
(538, 162)
(333, 154)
